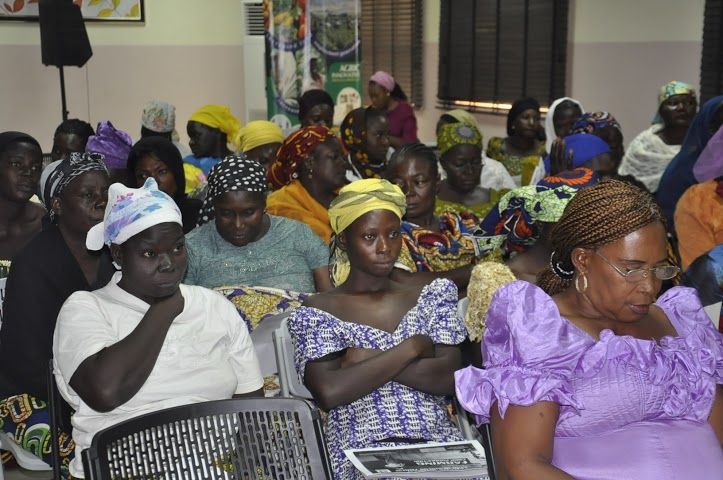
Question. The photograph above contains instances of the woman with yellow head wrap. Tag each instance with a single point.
(460, 149)
(358, 345)
(260, 140)
(211, 130)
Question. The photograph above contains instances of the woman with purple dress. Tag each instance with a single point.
(588, 376)
(377, 354)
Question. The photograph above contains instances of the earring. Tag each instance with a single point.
(584, 283)
(310, 174)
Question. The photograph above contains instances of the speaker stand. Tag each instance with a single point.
(62, 94)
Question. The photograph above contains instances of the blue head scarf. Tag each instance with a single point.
(679, 174)
(584, 147)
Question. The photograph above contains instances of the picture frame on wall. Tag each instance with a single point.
(92, 10)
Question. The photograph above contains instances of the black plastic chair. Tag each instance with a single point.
(244, 438)
(483, 434)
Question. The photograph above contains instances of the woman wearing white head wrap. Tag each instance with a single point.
(560, 117)
(144, 342)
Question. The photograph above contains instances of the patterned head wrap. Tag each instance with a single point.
(592, 122)
(668, 90)
(383, 79)
(295, 149)
(453, 134)
(583, 147)
(577, 179)
(59, 174)
(131, 211)
(463, 116)
(258, 133)
(159, 116)
(113, 144)
(353, 136)
(220, 118)
(355, 200)
(235, 173)
(518, 213)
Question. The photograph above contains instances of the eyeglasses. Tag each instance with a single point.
(662, 272)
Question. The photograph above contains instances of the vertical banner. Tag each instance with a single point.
(311, 44)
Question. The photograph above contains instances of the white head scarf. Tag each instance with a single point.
(550, 126)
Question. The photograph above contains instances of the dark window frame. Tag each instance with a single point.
(401, 22)
(474, 27)
(711, 65)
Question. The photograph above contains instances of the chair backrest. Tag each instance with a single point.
(3, 281)
(482, 433)
(240, 438)
(289, 379)
(262, 338)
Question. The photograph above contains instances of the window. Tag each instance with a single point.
(492, 52)
(711, 68)
(391, 38)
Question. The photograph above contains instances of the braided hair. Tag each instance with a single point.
(74, 126)
(596, 216)
(416, 150)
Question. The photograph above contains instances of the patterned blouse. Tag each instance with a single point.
(524, 170)
(393, 410)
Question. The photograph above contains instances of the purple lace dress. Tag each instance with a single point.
(393, 410)
(629, 408)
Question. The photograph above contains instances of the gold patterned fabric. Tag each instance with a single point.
(523, 166)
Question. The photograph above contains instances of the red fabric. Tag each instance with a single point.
(403, 123)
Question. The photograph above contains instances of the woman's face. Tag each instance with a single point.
(377, 140)
(611, 294)
(240, 216)
(328, 165)
(82, 203)
(264, 154)
(202, 139)
(678, 110)
(66, 143)
(463, 165)
(614, 138)
(20, 166)
(373, 242)
(418, 181)
(321, 115)
(527, 124)
(151, 166)
(379, 96)
(564, 118)
(153, 261)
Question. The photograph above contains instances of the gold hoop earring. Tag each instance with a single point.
(584, 283)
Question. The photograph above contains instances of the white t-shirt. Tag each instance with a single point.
(207, 354)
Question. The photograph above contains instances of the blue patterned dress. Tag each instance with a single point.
(393, 410)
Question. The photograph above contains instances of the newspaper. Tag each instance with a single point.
(464, 459)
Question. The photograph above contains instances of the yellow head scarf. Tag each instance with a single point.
(453, 134)
(258, 133)
(355, 200)
(463, 116)
(220, 117)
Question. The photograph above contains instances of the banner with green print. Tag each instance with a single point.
(312, 44)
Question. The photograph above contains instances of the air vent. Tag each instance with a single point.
(254, 18)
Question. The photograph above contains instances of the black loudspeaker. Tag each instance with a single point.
(63, 39)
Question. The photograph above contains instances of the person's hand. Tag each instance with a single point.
(172, 305)
(353, 356)
(422, 345)
(559, 162)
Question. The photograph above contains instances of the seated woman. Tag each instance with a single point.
(365, 135)
(71, 136)
(316, 107)
(387, 96)
(114, 145)
(604, 126)
(561, 116)
(377, 354)
(211, 129)
(21, 162)
(238, 243)
(652, 150)
(699, 219)
(460, 149)
(144, 342)
(521, 152)
(679, 174)
(260, 140)
(308, 171)
(159, 158)
(44, 274)
(588, 376)
(159, 120)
